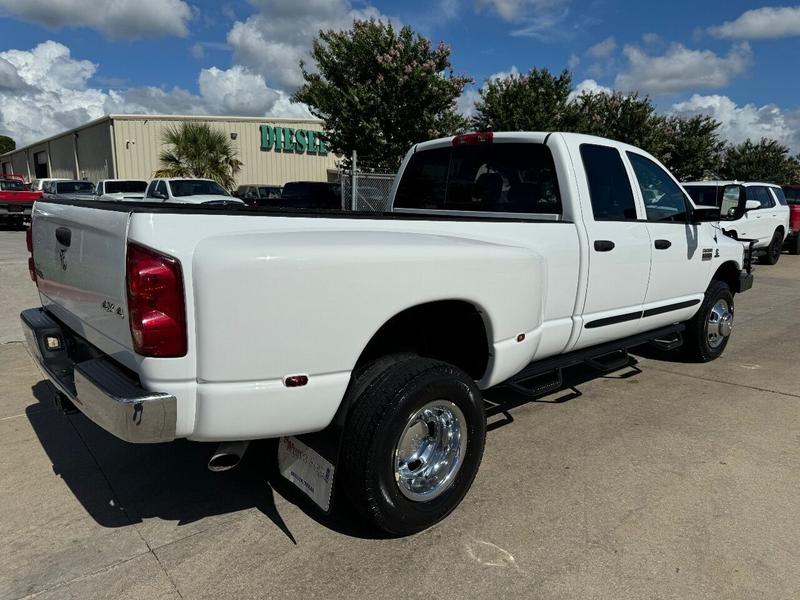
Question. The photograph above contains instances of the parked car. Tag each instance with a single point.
(259, 195)
(184, 190)
(120, 189)
(792, 193)
(68, 190)
(38, 184)
(16, 202)
(364, 341)
(311, 194)
(766, 218)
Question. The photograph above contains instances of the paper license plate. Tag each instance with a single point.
(306, 469)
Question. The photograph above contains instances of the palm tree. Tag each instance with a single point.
(197, 150)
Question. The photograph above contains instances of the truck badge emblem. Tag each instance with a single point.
(62, 258)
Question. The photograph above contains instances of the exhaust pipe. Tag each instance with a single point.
(227, 456)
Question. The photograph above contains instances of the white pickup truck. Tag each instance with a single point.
(506, 257)
(120, 189)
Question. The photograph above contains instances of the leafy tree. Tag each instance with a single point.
(626, 118)
(197, 150)
(380, 90)
(537, 101)
(7, 144)
(767, 160)
(689, 147)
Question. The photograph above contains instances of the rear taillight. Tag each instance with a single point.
(478, 137)
(31, 263)
(156, 307)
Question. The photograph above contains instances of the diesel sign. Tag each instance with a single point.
(292, 141)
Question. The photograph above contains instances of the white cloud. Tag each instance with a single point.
(603, 49)
(510, 10)
(588, 86)
(117, 19)
(681, 69)
(748, 121)
(573, 61)
(767, 22)
(274, 41)
(539, 19)
(50, 93)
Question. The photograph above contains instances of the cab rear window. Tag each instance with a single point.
(494, 177)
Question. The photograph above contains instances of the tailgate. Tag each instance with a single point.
(80, 266)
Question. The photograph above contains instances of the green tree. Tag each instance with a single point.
(767, 160)
(536, 101)
(631, 119)
(197, 150)
(379, 90)
(690, 147)
(7, 144)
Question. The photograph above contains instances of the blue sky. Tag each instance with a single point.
(732, 59)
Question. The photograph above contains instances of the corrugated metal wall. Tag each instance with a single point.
(139, 143)
(94, 152)
(62, 157)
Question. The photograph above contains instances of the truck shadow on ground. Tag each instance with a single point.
(121, 484)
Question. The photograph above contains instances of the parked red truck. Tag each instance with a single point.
(16, 202)
(792, 193)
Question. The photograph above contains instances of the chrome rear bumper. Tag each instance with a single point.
(102, 391)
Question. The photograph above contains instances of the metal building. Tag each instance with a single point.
(272, 150)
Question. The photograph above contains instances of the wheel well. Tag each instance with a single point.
(449, 330)
(729, 273)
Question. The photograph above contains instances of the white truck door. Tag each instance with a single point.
(619, 245)
(770, 218)
(682, 252)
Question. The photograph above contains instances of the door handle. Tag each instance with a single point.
(603, 245)
(662, 244)
(64, 236)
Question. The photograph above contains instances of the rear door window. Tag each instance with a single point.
(494, 177)
(609, 185)
(763, 196)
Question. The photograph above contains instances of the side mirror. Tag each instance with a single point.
(752, 205)
(705, 214)
(732, 200)
(159, 195)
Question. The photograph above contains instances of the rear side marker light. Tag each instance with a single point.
(295, 380)
(478, 137)
(156, 307)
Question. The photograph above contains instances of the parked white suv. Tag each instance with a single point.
(766, 217)
(185, 190)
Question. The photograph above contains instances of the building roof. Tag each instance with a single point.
(147, 117)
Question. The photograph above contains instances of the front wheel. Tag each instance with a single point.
(708, 332)
(774, 249)
(413, 442)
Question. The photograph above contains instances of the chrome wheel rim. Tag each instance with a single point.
(719, 324)
(429, 453)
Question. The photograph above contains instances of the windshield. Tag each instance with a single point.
(74, 187)
(125, 187)
(196, 187)
(11, 185)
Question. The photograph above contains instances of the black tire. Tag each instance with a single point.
(773, 252)
(385, 396)
(697, 346)
(794, 244)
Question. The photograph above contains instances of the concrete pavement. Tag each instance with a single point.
(669, 480)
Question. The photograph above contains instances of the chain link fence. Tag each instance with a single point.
(365, 189)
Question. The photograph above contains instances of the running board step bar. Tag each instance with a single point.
(611, 356)
(668, 342)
